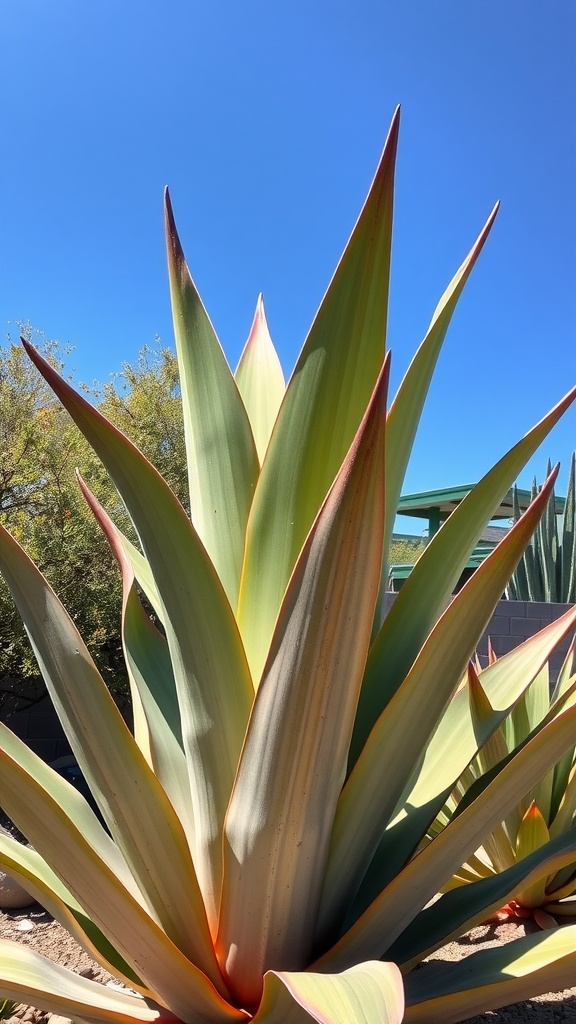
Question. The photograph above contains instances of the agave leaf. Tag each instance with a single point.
(457, 737)
(74, 806)
(212, 677)
(324, 403)
(32, 978)
(547, 541)
(369, 993)
(567, 908)
(143, 574)
(294, 759)
(518, 583)
(532, 834)
(567, 673)
(135, 934)
(497, 845)
(567, 809)
(568, 564)
(427, 590)
(260, 380)
(492, 978)
(394, 748)
(561, 784)
(385, 919)
(37, 877)
(140, 816)
(527, 716)
(464, 907)
(406, 409)
(562, 887)
(494, 749)
(151, 678)
(221, 454)
(452, 747)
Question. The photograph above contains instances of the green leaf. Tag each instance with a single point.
(463, 908)
(139, 814)
(532, 834)
(260, 380)
(567, 807)
(568, 560)
(31, 870)
(451, 992)
(143, 574)
(31, 978)
(152, 683)
(406, 408)
(369, 993)
(452, 747)
(427, 590)
(390, 913)
(527, 716)
(221, 454)
(294, 758)
(212, 677)
(404, 729)
(324, 403)
(69, 849)
(566, 679)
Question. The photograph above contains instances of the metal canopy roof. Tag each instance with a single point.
(439, 504)
(436, 506)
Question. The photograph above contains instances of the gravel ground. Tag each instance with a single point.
(35, 928)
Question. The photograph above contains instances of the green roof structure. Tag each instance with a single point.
(436, 506)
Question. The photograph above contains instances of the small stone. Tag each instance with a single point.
(12, 895)
(24, 926)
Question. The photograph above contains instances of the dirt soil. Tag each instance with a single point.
(35, 928)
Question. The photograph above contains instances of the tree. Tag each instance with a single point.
(41, 504)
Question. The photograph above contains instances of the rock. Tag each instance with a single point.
(12, 894)
(25, 925)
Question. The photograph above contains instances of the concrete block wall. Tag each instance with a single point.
(39, 727)
(512, 623)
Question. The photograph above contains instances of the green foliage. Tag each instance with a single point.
(547, 570)
(405, 550)
(42, 506)
(7, 1007)
(545, 812)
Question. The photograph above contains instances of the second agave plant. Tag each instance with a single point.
(547, 569)
(547, 811)
(291, 746)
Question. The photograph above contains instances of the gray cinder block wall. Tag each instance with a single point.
(512, 623)
(39, 727)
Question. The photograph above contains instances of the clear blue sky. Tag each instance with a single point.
(266, 119)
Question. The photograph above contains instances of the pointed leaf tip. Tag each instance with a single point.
(175, 249)
(108, 528)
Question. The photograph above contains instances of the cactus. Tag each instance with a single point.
(547, 570)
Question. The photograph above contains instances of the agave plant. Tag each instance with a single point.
(290, 746)
(545, 812)
(547, 569)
